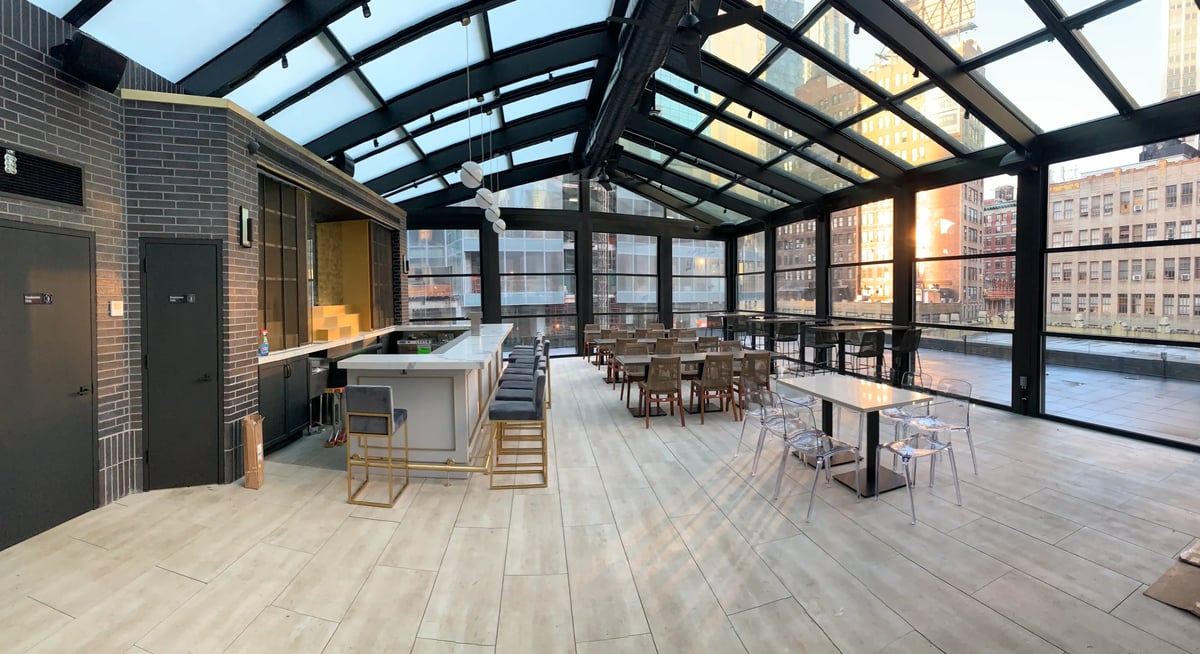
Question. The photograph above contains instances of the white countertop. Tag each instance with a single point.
(317, 346)
(466, 352)
(855, 393)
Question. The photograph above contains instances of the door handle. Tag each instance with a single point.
(206, 378)
(83, 390)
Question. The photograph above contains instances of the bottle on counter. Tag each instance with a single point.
(263, 348)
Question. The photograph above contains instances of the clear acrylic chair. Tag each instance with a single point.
(902, 414)
(909, 450)
(798, 430)
(951, 412)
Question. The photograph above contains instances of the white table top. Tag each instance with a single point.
(466, 352)
(855, 393)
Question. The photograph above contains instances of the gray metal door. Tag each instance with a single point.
(47, 410)
(182, 362)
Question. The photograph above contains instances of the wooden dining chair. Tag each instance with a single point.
(662, 384)
(716, 383)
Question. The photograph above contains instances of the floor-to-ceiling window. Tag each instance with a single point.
(537, 287)
(624, 279)
(443, 274)
(751, 275)
(1122, 306)
(796, 268)
(697, 280)
(860, 266)
(965, 283)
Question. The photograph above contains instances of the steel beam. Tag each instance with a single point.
(85, 11)
(647, 190)
(1083, 54)
(690, 186)
(894, 27)
(573, 48)
(513, 136)
(511, 178)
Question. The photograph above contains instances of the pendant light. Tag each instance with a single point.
(498, 226)
(484, 198)
(492, 214)
(470, 174)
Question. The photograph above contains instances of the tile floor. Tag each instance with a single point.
(646, 540)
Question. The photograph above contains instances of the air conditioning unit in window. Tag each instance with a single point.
(1137, 208)
(1083, 213)
(1185, 276)
(1136, 278)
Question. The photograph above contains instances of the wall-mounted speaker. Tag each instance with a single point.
(91, 61)
(343, 162)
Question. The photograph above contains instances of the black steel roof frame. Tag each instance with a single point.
(648, 190)
(566, 49)
(912, 40)
(514, 136)
(512, 178)
(84, 11)
(647, 170)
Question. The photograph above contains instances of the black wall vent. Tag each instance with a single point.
(37, 177)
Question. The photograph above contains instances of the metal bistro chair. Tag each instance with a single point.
(662, 385)
(826, 343)
(910, 344)
(787, 338)
(869, 350)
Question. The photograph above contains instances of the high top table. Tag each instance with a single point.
(846, 328)
(868, 398)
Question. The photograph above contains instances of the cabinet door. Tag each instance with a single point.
(272, 393)
(296, 403)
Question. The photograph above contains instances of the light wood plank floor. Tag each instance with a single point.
(646, 540)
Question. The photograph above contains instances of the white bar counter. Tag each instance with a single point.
(445, 392)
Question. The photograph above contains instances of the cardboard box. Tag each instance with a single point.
(252, 450)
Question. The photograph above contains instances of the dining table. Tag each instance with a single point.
(851, 328)
(687, 358)
(769, 325)
(868, 398)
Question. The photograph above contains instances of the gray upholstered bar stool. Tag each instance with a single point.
(373, 424)
(518, 429)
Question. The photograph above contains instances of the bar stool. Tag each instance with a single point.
(372, 425)
(518, 431)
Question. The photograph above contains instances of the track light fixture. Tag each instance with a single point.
(750, 114)
(856, 28)
(376, 142)
(283, 61)
(366, 7)
(465, 20)
(916, 73)
(966, 115)
(696, 88)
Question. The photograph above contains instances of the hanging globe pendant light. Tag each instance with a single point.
(484, 198)
(498, 226)
(492, 214)
(470, 174)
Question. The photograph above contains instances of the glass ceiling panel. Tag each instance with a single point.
(721, 213)
(948, 115)
(768, 190)
(525, 20)
(385, 162)
(439, 53)
(384, 140)
(788, 12)
(555, 147)
(686, 198)
(742, 113)
(175, 38)
(834, 33)
(678, 113)
(1060, 94)
(755, 197)
(545, 77)
(837, 161)
(57, 7)
(428, 186)
(1072, 7)
(642, 151)
(458, 132)
(443, 112)
(545, 101)
(743, 46)
(671, 79)
(307, 63)
(1149, 74)
(356, 32)
(896, 135)
(973, 28)
(736, 138)
(807, 171)
(697, 173)
(338, 102)
(800, 79)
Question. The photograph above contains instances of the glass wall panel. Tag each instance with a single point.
(537, 284)
(1121, 309)
(698, 280)
(443, 278)
(622, 200)
(751, 278)
(861, 234)
(795, 266)
(624, 279)
(861, 291)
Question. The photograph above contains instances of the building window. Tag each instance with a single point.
(1125, 201)
(1106, 271)
(1094, 271)
(1055, 303)
(1056, 272)
(1172, 195)
(1151, 199)
(1184, 302)
(1108, 204)
(1185, 194)
(1123, 270)
(1185, 269)
(1068, 239)
(1151, 269)
(1169, 229)
(1083, 237)
(1068, 209)
(1066, 267)
(1169, 268)
(1106, 303)
(1083, 270)
(1083, 207)
(1122, 303)
(1135, 303)
(1056, 240)
(1058, 210)
(1151, 231)
(1150, 304)
(1168, 307)
(1108, 235)
(1136, 270)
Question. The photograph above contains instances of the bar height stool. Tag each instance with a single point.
(519, 437)
(372, 424)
